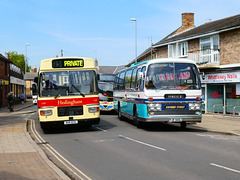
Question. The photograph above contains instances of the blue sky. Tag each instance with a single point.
(97, 28)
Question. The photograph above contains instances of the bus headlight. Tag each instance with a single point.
(154, 107)
(93, 109)
(194, 106)
(46, 112)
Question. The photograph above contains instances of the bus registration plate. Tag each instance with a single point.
(70, 122)
(175, 120)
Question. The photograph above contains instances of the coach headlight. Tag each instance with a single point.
(158, 107)
(194, 106)
(151, 107)
(154, 107)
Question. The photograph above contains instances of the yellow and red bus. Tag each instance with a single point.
(68, 92)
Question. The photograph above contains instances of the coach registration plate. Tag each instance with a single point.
(70, 122)
(175, 107)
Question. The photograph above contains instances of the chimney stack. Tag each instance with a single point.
(35, 69)
(187, 22)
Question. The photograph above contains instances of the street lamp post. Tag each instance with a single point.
(25, 75)
(134, 19)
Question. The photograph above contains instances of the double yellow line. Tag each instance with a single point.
(58, 156)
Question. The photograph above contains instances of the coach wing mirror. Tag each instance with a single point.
(141, 77)
(203, 75)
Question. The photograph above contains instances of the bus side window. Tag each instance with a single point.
(142, 81)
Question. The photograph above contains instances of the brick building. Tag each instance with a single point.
(215, 47)
(4, 80)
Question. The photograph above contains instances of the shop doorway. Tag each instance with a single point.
(215, 98)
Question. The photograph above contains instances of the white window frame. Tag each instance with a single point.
(213, 54)
(182, 49)
(178, 49)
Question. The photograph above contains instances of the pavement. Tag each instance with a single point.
(22, 158)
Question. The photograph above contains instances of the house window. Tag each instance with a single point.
(172, 50)
(182, 49)
(209, 49)
(178, 50)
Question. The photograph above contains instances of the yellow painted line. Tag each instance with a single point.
(55, 153)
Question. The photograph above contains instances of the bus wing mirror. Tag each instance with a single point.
(98, 77)
(36, 79)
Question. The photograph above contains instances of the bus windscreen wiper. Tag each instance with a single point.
(61, 91)
(78, 90)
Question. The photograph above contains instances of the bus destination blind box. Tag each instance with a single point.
(67, 63)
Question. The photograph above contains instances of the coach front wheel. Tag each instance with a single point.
(137, 123)
(119, 113)
(183, 124)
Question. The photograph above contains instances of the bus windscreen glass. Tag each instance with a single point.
(172, 76)
(68, 83)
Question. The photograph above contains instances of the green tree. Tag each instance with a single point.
(19, 60)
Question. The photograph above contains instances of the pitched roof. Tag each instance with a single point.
(110, 69)
(4, 58)
(30, 75)
(210, 27)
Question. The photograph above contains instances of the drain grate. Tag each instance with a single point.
(42, 143)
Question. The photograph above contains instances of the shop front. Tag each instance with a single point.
(221, 92)
(16, 82)
(4, 89)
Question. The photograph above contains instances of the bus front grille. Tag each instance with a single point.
(70, 111)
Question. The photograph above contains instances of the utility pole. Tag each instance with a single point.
(61, 53)
(151, 49)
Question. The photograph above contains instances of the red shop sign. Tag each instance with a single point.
(215, 95)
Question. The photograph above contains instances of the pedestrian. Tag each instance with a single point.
(22, 98)
(11, 101)
(8, 94)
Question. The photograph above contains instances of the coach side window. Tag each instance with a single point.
(142, 82)
(128, 78)
(133, 84)
(137, 78)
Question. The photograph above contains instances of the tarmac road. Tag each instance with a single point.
(118, 150)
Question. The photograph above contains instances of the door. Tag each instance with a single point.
(215, 97)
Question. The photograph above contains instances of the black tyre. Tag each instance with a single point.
(137, 123)
(119, 113)
(183, 124)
